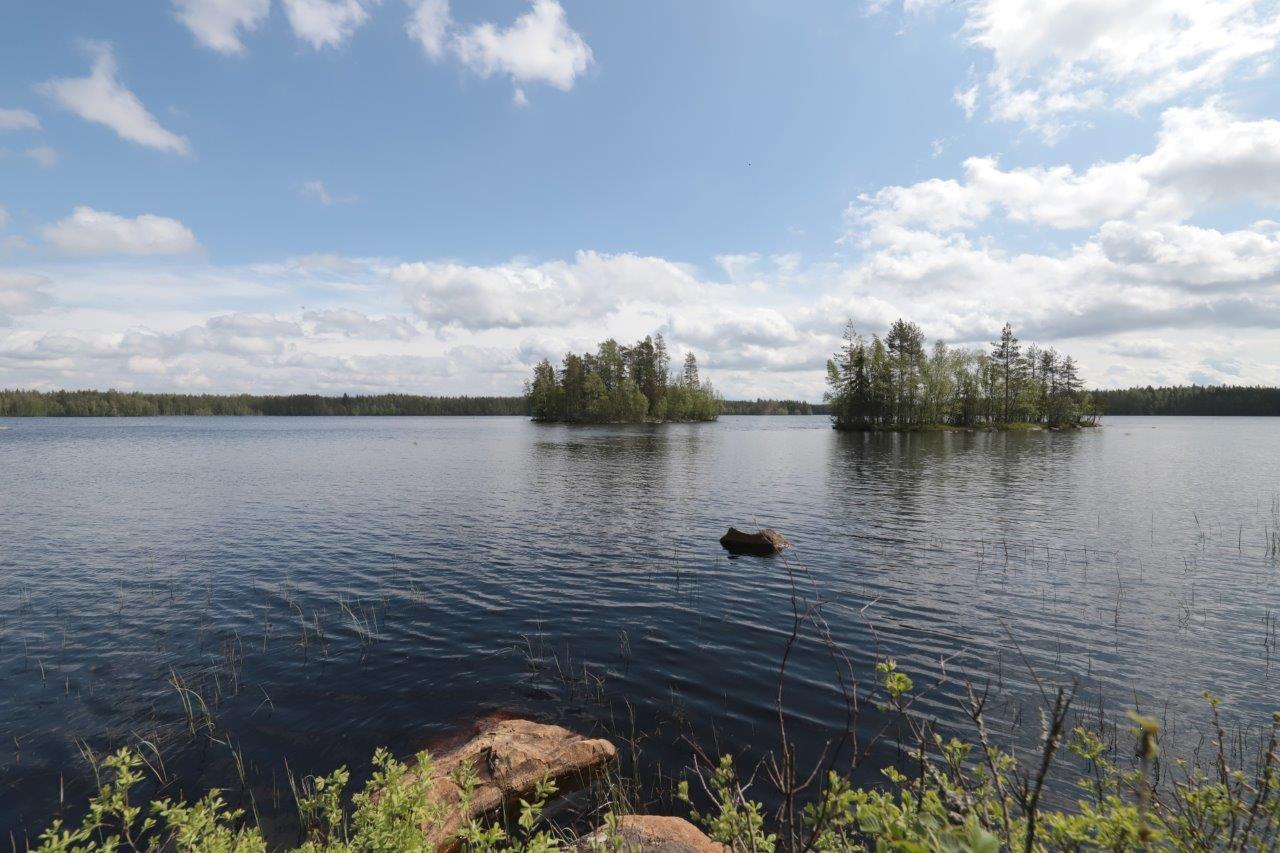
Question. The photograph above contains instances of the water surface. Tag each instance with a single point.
(328, 585)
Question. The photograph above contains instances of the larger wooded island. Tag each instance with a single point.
(894, 384)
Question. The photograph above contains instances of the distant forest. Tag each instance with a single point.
(621, 384)
(761, 406)
(1190, 400)
(17, 403)
(1180, 400)
(136, 404)
(898, 382)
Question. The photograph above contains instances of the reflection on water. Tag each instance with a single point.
(328, 585)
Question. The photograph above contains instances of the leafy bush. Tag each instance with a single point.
(960, 796)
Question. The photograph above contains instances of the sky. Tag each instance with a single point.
(347, 196)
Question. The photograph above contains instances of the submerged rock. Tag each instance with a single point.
(511, 757)
(762, 542)
(653, 834)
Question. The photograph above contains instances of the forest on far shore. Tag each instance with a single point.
(69, 404)
(1176, 400)
(1256, 400)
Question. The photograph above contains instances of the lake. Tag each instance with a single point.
(259, 596)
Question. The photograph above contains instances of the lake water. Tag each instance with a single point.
(325, 586)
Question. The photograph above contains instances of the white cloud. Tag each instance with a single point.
(518, 295)
(102, 98)
(11, 119)
(318, 192)
(218, 24)
(44, 156)
(326, 23)
(349, 323)
(428, 25)
(22, 293)
(1053, 59)
(91, 232)
(539, 46)
(1203, 156)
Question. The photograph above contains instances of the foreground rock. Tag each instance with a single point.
(652, 834)
(761, 543)
(511, 757)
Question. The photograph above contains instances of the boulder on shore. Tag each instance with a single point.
(654, 834)
(511, 757)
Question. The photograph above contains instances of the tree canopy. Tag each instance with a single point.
(621, 384)
(898, 383)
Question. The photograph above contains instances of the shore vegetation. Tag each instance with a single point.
(946, 794)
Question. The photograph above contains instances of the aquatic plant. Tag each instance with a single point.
(948, 795)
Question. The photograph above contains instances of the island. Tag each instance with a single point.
(621, 384)
(894, 384)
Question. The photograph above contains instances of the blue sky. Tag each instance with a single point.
(352, 195)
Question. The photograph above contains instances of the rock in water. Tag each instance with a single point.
(511, 757)
(652, 834)
(762, 542)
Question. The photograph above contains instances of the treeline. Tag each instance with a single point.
(896, 383)
(18, 403)
(760, 406)
(1190, 400)
(621, 384)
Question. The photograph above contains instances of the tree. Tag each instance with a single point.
(1005, 353)
(543, 393)
(691, 369)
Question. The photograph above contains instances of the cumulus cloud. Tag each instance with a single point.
(102, 98)
(43, 156)
(11, 119)
(1052, 61)
(92, 232)
(516, 295)
(1056, 58)
(355, 324)
(326, 23)
(538, 47)
(219, 24)
(232, 352)
(428, 25)
(1203, 156)
(22, 293)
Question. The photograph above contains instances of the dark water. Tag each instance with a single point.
(328, 585)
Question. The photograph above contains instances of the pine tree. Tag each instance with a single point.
(691, 370)
(1006, 354)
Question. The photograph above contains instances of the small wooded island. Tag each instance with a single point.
(621, 384)
(894, 384)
